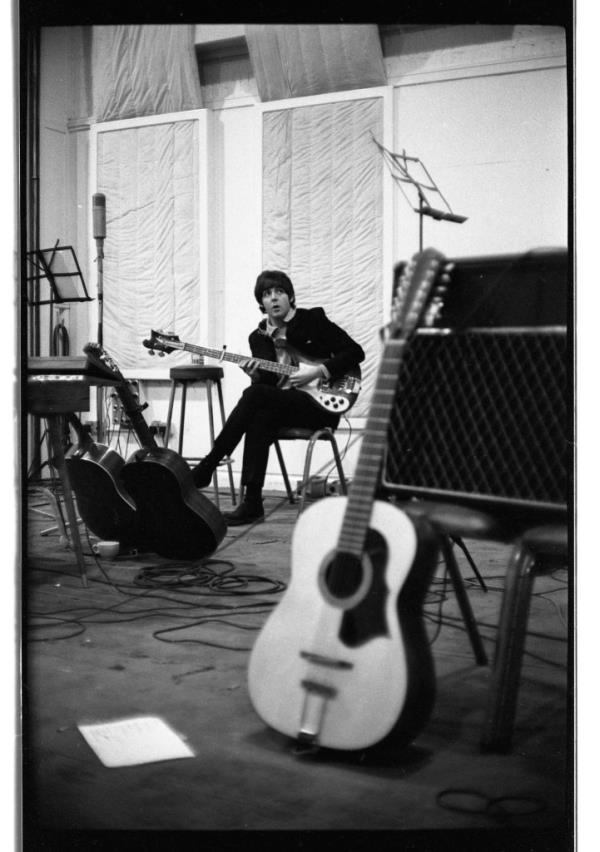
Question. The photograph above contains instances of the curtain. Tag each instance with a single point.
(149, 175)
(291, 60)
(323, 214)
(143, 70)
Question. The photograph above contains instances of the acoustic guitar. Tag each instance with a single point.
(104, 505)
(334, 395)
(343, 662)
(175, 519)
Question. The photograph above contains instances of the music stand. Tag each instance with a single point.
(400, 166)
(59, 267)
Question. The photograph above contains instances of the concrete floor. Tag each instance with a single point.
(95, 654)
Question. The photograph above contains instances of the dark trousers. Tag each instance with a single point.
(261, 411)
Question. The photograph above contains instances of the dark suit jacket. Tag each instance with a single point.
(313, 335)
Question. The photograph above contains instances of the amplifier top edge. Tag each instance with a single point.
(539, 329)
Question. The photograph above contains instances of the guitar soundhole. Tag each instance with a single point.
(344, 575)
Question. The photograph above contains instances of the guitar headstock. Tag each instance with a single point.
(162, 342)
(99, 357)
(419, 295)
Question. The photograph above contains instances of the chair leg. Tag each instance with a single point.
(307, 464)
(338, 463)
(460, 543)
(284, 472)
(463, 602)
(182, 416)
(169, 413)
(228, 460)
(510, 644)
(211, 430)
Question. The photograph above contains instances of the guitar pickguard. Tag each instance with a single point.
(367, 619)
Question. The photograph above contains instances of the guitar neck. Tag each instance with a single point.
(134, 412)
(101, 360)
(224, 355)
(367, 472)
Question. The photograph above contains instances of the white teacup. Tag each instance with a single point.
(106, 549)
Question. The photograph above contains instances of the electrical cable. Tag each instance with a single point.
(466, 801)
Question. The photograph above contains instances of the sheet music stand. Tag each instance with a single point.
(400, 166)
(59, 267)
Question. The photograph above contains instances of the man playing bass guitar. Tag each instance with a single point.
(286, 335)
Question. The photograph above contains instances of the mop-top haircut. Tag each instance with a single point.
(273, 278)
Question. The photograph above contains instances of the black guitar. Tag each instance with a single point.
(175, 519)
(104, 505)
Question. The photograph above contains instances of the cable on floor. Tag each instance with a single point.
(467, 801)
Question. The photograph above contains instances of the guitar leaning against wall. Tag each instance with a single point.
(175, 519)
(343, 662)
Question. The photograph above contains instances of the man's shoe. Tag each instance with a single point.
(246, 513)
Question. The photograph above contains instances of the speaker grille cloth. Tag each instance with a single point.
(482, 413)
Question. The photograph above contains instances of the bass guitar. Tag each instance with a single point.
(104, 505)
(334, 395)
(343, 661)
(175, 519)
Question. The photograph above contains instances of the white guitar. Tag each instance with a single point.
(334, 395)
(343, 661)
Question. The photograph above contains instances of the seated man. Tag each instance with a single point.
(274, 401)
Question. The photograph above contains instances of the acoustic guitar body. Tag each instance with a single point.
(349, 671)
(103, 504)
(176, 520)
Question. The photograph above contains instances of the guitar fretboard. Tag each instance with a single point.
(414, 291)
(224, 355)
(360, 499)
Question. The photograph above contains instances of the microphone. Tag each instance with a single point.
(99, 215)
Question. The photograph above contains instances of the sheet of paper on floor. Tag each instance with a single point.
(128, 742)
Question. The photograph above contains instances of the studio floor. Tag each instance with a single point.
(150, 636)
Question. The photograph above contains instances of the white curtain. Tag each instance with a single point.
(149, 175)
(291, 60)
(144, 70)
(322, 214)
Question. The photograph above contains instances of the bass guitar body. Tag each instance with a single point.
(103, 504)
(176, 520)
(346, 665)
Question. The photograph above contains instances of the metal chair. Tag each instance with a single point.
(535, 552)
(312, 436)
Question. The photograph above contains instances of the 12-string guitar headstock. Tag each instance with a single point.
(419, 295)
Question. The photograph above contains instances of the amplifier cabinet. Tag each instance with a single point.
(480, 417)
(508, 290)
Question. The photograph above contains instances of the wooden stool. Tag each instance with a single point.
(207, 376)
